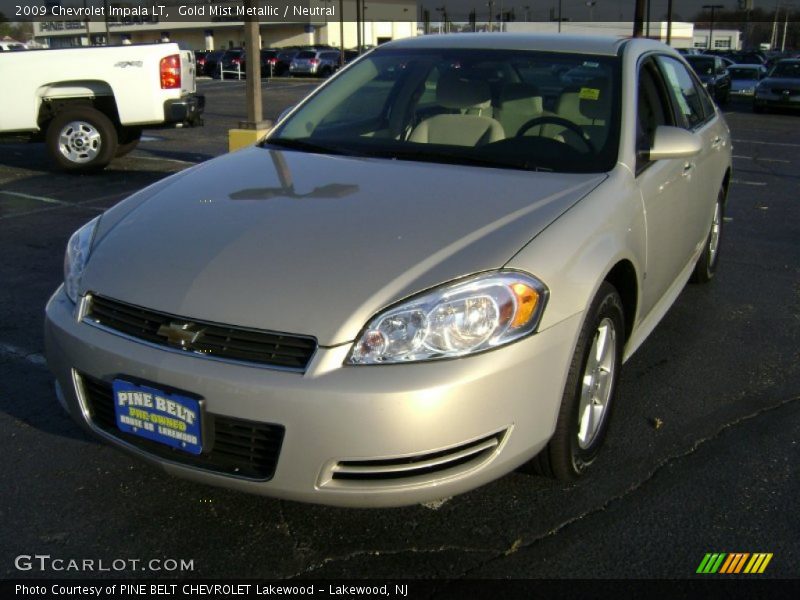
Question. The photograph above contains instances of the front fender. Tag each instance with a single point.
(578, 250)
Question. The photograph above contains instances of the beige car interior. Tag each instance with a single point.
(470, 126)
(480, 120)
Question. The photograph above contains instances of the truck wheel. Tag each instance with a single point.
(81, 139)
(128, 139)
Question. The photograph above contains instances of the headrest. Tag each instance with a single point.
(595, 100)
(453, 91)
(522, 97)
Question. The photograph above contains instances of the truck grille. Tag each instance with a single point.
(201, 337)
(242, 448)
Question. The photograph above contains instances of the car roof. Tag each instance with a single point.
(583, 44)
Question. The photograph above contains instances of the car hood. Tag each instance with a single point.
(315, 244)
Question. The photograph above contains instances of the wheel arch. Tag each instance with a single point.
(56, 97)
(624, 279)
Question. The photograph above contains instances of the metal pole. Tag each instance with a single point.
(105, 18)
(669, 22)
(559, 16)
(638, 19)
(647, 21)
(255, 111)
(86, 22)
(358, 25)
(341, 32)
(785, 27)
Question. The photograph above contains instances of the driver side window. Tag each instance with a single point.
(652, 111)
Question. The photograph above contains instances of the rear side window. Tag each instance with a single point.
(684, 91)
(306, 54)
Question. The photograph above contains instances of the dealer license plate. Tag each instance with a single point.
(169, 419)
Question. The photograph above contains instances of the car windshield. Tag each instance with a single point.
(307, 54)
(743, 74)
(788, 69)
(702, 66)
(494, 108)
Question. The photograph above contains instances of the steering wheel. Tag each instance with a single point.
(558, 121)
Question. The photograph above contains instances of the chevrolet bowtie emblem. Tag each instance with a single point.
(180, 334)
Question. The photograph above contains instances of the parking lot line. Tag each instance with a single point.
(757, 183)
(17, 352)
(31, 197)
(761, 159)
(159, 159)
(786, 144)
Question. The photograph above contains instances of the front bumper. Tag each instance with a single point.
(777, 100)
(186, 110)
(334, 415)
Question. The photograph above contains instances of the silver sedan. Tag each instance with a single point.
(427, 275)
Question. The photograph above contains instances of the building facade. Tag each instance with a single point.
(383, 20)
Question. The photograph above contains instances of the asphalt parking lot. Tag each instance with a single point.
(701, 456)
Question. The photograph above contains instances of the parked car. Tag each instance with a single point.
(319, 63)
(284, 59)
(211, 63)
(232, 62)
(713, 74)
(744, 79)
(200, 60)
(780, 88)
(418, 282)
(12, 46)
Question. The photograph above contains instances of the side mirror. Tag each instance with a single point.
(673, 142)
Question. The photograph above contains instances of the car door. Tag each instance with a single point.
(664, 186)
(696, 112)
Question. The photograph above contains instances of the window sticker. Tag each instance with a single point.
(589, 94)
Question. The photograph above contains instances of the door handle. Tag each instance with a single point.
(716, 143)
(687, 169)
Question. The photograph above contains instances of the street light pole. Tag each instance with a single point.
(669, 22)
(711, 7)
(638, 19)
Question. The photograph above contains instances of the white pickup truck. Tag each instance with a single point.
(89, 105)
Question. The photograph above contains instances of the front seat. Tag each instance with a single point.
(460, 129)
(519, 103)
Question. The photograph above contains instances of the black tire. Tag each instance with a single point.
(566, 456)
(127, 140)
(758, 109)
(326, 72)
(706, 265)
(81, 139)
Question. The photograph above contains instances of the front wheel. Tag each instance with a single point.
(81, 139)
(589, 392)
(706, 265)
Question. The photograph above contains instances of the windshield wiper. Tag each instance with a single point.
(304, 146)
(418, 154)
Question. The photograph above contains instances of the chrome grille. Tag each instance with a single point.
(201, 337)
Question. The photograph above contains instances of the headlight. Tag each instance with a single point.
(471, 315)
(77, 255)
